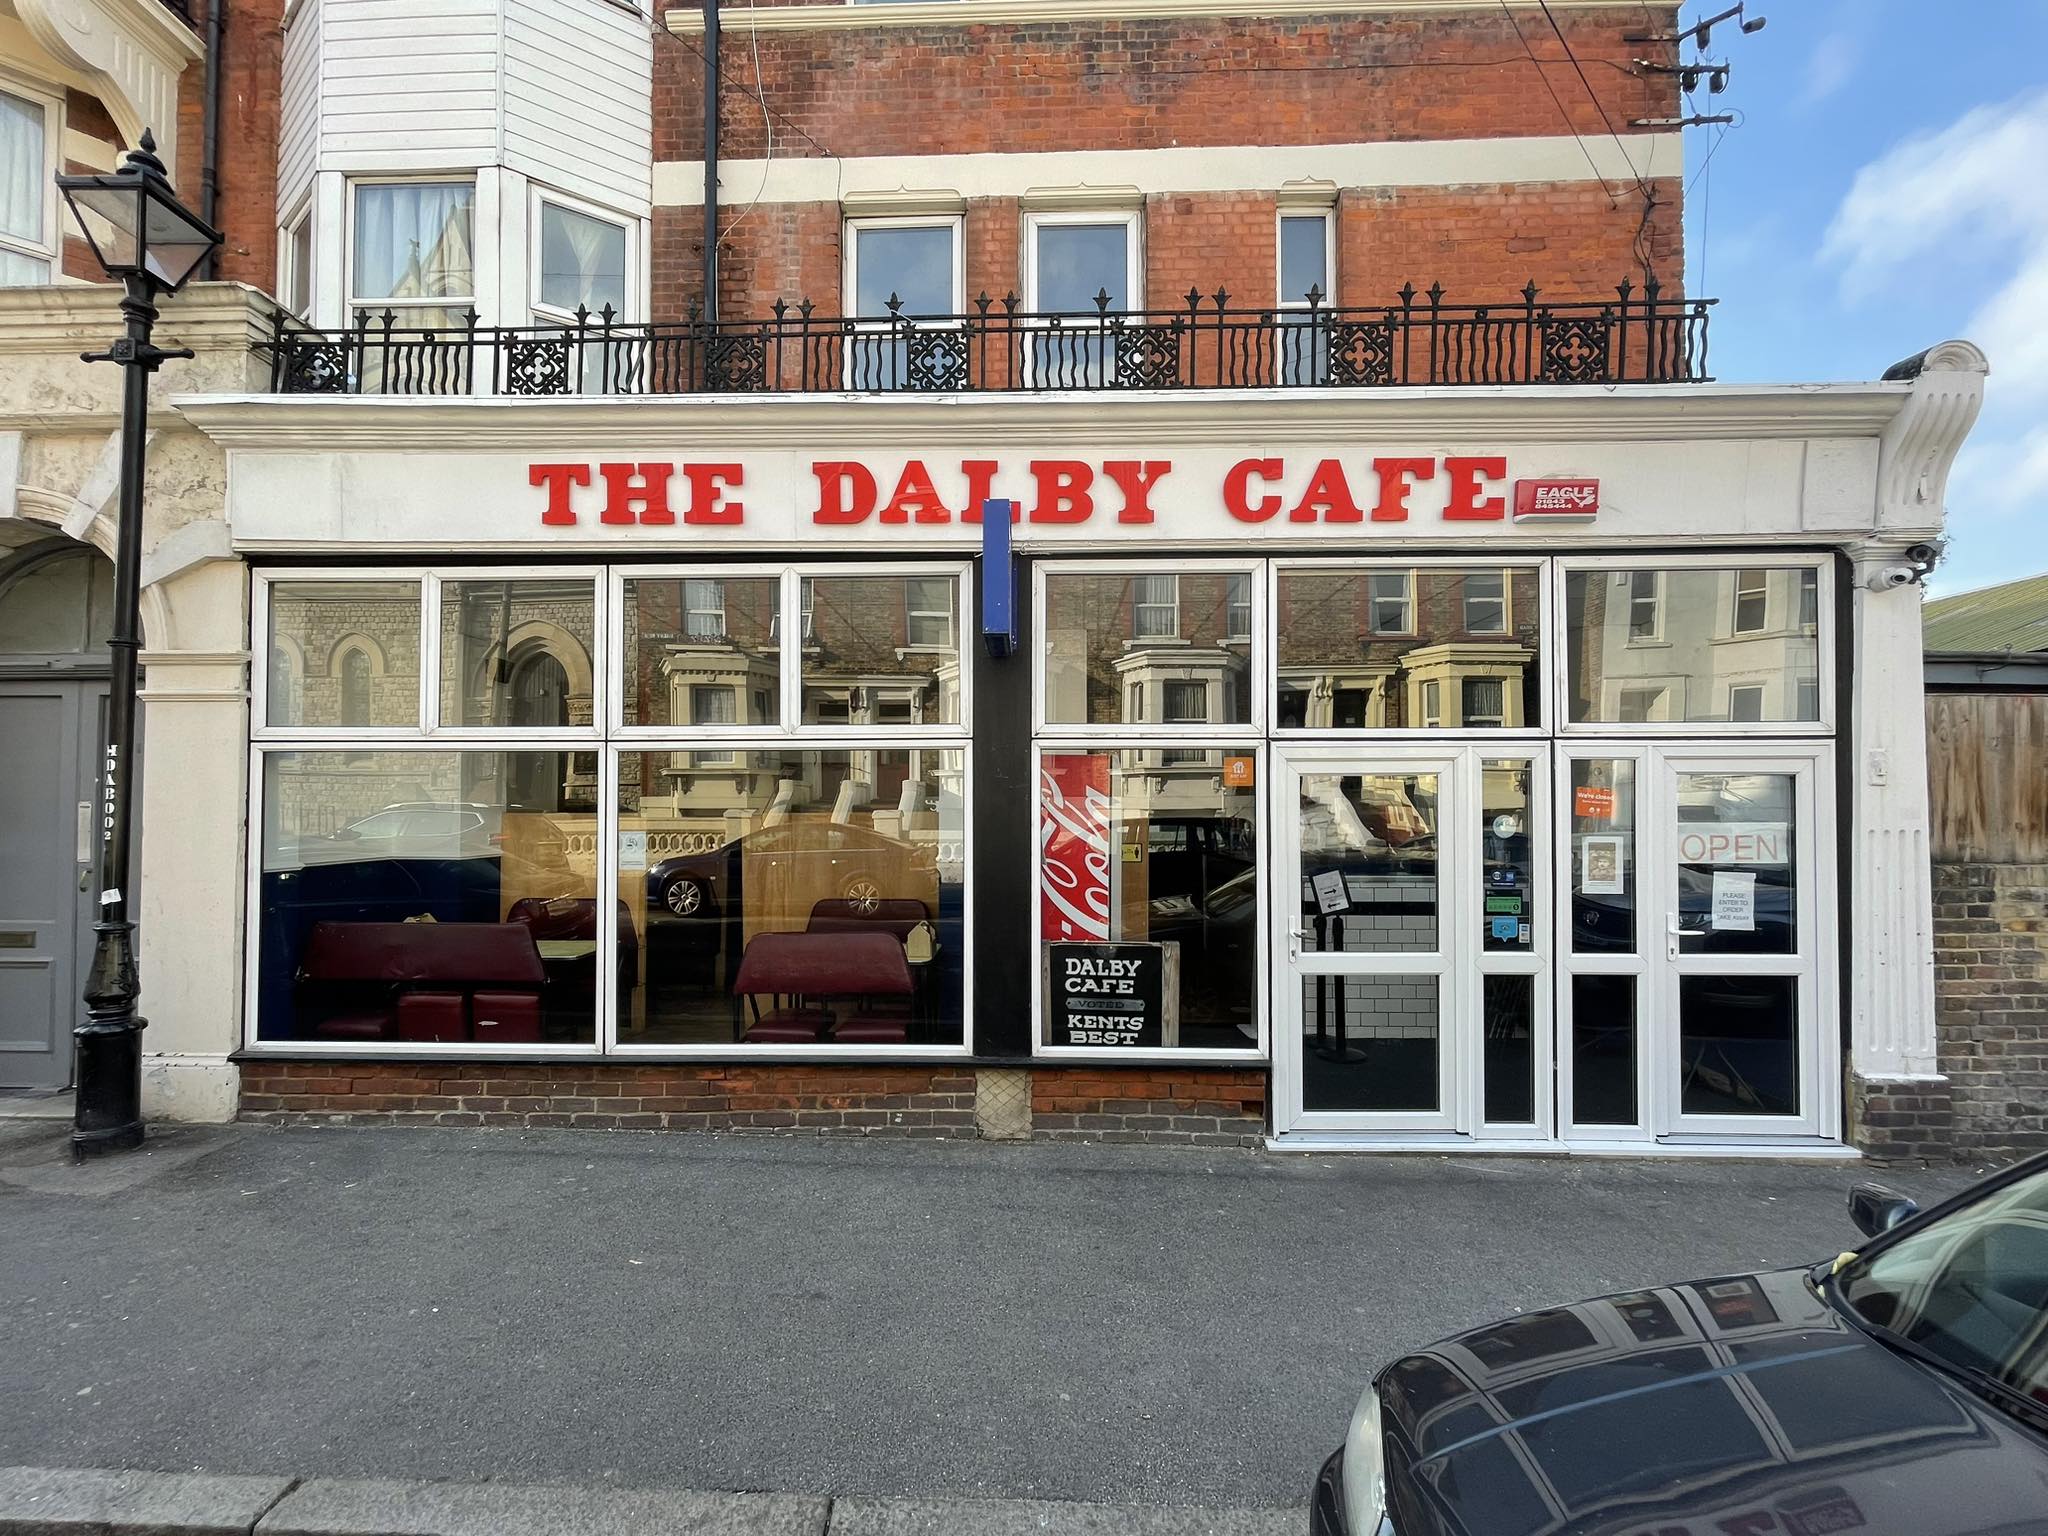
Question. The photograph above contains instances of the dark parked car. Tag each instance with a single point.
(1901, 1390)
(825, 859)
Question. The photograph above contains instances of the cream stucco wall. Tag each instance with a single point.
(59, 442)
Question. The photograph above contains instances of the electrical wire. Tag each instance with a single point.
(1592, 96)
(1562, 113)
(767, 127)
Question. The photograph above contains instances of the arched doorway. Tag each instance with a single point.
(56, 609)
(538, 690)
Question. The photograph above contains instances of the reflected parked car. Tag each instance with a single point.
(1901, 1390)
(819, 858)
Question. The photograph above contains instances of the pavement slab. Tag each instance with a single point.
(385, 1507)
(842, 1317)
(47, 1501)
(1042, 1517)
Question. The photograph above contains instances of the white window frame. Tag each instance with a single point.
(849, 273)
(1549, 627)
(1139, 634)
(288, 275)
(1232, 606)
(1465, 682)
(1761, 691)
(1329, 222)
(688, 610)
(604, 739)
(1257, 653)
(1134, 252)
(1563, 567)
(1655, 634)
(547, 314)
(50, 250)
(353, 303)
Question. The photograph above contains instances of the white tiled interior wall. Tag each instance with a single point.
(1374, 1007)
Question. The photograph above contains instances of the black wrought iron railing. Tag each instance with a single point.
(1637, 336)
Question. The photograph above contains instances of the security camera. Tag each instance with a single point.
(1892, 576)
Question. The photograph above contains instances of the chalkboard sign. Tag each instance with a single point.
(1107, 994)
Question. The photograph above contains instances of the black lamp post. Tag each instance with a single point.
(149, 241)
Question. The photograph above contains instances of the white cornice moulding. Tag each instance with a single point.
(687, 20)
(1307, 194)
(1083, 197)
(133, 50)
(1507, 160)
(855, 423)
(903, 200)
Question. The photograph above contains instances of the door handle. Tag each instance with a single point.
(1294, 938)
(1671, 935)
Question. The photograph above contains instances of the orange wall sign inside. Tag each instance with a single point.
(1239, 772)
(1593, 801)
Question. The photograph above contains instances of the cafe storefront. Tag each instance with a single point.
(1522, 768)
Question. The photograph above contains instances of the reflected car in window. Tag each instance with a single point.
(1899, 1390)
(821, 859)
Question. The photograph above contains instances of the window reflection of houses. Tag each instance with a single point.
(1150, 650)
(1423, 647)
(874, 651)
(1737, 644)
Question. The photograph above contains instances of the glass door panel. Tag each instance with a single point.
(1601, 1073)
(1739, 870)
(1369, 896)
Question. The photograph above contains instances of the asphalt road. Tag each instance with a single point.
(1123, 1324)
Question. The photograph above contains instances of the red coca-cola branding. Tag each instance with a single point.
(1074, 846)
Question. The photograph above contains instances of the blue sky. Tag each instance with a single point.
(1885, 189)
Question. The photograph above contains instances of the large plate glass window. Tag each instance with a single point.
(794, 897)
(1418, 647)
(412, 897)
(1128, 649)
(908, 267)
(1150, 923)
(1079, 266)
(28, 246)
(1304, 257)
(1694, 645)
(517, 653)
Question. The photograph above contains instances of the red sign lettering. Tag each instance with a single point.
(1062, 491)
(916, 497)
(1394, 477)
(558, 478)
(1136, 480)
(1466, 503)
(636, 493)
(1236, 497)
(706, 481)
(1328, 496)
(846, 492)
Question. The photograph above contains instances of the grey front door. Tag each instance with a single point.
(48, 753)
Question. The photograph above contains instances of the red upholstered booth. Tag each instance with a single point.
(421, 982)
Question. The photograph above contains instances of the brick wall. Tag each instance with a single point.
(1199, 1106)
(1186, 82)
(866, 1100)
(246, 207)
(1154, 82)
(1991, 996)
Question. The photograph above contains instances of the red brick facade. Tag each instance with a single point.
(1197, 1106)
(1187, 83)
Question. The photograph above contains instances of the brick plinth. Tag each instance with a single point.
(1186, 1105)
(1901, 1119)
(1198, 1106)
(858, 1100)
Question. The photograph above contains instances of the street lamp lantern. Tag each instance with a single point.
(151, 243)
(135, 224)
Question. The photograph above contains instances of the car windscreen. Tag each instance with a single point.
(1971, 1288)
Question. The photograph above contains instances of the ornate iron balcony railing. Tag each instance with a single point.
(1638, 336)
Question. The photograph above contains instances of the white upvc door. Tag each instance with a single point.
(1742, 871)
(1367, 991)
(1696, 996)
(1413, 993)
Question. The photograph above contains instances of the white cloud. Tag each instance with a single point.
(1968, 197)
(1833, 62)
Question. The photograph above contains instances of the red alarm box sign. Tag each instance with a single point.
(1557, 501)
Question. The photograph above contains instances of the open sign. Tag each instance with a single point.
(1736, 842)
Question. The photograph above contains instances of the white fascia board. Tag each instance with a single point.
(687, 20)
(1619, 413)
(1533, 159)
